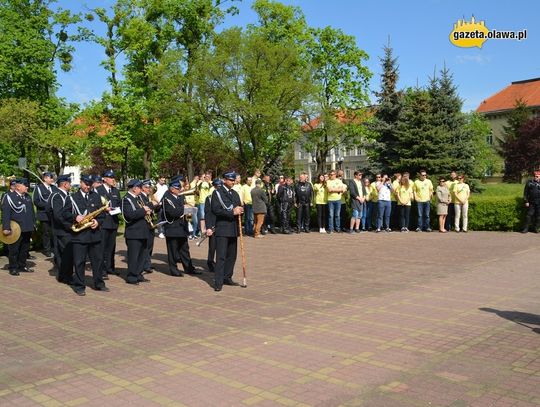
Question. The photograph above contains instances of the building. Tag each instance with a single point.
(497, 107)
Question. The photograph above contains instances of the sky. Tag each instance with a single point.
(418, 32)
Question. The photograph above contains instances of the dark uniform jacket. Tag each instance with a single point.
(41, 200)
(136, 225)
(222, 203)
(173, 211)
(303, 192)
(531, 194)
(111, 221)
(81, 207)
(62, 213)
(19, 209)
(209, 217)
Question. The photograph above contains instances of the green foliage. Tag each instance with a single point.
(494, 213)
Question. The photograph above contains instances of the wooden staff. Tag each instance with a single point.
(244, 281)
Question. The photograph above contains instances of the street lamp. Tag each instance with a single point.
(340, 162)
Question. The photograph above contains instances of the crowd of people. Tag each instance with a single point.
(77, 225)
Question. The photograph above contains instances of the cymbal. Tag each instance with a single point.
(13, 236)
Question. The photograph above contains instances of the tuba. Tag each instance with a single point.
(87, 220)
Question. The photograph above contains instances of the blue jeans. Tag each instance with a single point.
(248, 219)
(366, 215)
(385, 207)
(334, 209)
(423, 215)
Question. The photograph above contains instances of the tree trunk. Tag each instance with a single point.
(147, 162)
(189, 165)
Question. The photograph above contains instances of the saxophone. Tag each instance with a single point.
(86, 222)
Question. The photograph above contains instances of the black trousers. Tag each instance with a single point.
(343, 215)
(303, 216)
(226, 250)
(211, 253)
(321, 216)
(178, 251)
(108, 245)
(534, 208)
(285, 215)
(449, 222)
(64, 247)
(93, 251)
(269, 219)
(136, 250)
(394, 216)
(46, 236)
(404, 215)
(149, 250)
(18, 252)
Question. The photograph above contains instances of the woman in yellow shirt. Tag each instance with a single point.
(462, 192)
(321, 200)
(404, 196)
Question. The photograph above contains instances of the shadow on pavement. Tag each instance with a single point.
(522, 318)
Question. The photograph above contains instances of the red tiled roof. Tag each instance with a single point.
(528, 91)
(341, 116)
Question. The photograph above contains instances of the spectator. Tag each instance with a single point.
(303, 196)
(368, 206)
(423, 192)
(321, 201)
(443, 199)
(384, 188)
(358, 193)
(531, 195)
(335, 189)
(248, 207)
(259, 201)
(404, 195)
(461, 204)
(451, 183)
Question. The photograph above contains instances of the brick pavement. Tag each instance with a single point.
(356, 320)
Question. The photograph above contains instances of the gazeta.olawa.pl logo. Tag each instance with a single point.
(467, 34)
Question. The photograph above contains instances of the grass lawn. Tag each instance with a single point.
(499, 190)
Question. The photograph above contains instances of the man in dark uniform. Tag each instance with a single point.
(145, 197)
(176, 229)
(531, 195)
(87, 242)
(62, 219)
(210, 227)
(110, 225)
(42, 193)
(17, 206)
(285, 196)
(136, 232)
(12, 183)
(226, 207)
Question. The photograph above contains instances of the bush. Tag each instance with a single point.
(493, 213)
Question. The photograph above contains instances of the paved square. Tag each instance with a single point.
(355, 320)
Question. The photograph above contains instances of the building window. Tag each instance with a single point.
(489, 139)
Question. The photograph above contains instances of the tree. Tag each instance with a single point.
(341, 93)
(387, 114)
(514, 159)
(250, 91)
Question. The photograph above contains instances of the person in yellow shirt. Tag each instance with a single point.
(462, 193)
(374, 196)
(335, 188)
(203, 189)
(394, 213)
(368, 206)
(451, 183)
(321, 201)
(248, 207)
(423, 192)
(191, 201)
(404, 196)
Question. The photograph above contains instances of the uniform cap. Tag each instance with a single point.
(134, 183)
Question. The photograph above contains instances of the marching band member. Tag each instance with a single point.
(110, 225)
(17, 206)
(210, 227)
(62, 220)
(145, 196)
(226, 206)
(176, 230)
(136, 232)
(42, 193)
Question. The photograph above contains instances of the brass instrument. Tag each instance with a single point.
(149, 217)
(192, 191)
(86, 222)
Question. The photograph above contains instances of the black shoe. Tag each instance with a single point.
(272, 231)
(26, 270)
(177, 274)
(132, 282)
(307, 230)
(105, 277)
(103, 288)
(231, 282)
(525, 231)
(148, 271)
(264, 232)
(143, 280)
(350, 231)
(217, 288)
(64, 280)
(13, 272)
(286, 232)
(48, 254)
(194, 272)
(80, 293)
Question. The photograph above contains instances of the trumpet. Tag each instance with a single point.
(192, 191)
(86, 222)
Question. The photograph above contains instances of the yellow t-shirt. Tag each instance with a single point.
(344, 195)
(321, 194)
(238, 189)
(462, 192)
(246, 194)
(395, 186)
(334, 184)
(374, 194)
(406, 194)
(204, 191)
(190, 199)
(451, 185)
(423, 190)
